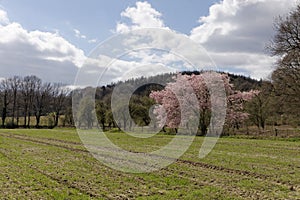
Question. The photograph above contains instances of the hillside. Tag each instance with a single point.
(148, 84)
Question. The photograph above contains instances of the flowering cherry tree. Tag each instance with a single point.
(182, 91)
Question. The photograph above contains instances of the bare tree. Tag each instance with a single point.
(28, 88)
(59, 94)
(286, 45)
(41, 100)
(15, 83)
(6, 99)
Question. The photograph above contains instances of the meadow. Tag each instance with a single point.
(53, 164)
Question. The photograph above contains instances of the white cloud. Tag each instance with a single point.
(144, 61)
(3, 18)
(141, 16)
(104, 70)
(172, 49)
(216, 21)
(256, 65)
(134, 64)
(122, 28)
(78, 34)
(45, 54)
(236, 32)
(91, 41)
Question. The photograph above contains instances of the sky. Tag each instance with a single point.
(53, 39)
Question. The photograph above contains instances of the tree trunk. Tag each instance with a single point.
(4, 110)
(14, 107)
(25, 116)
(103, 126)
(203, 129)
(56, 119)
(38, 119)
(17, 123)
(28, 124)
(3, 116)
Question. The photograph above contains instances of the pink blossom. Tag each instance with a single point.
(185, 87)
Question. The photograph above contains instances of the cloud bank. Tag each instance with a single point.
(44, 54)
(234, 34)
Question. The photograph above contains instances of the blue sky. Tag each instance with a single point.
(52, 39)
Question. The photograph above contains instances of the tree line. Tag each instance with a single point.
(250, 103)
(25, 97)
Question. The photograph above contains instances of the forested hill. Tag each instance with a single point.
(240, 82)
(148, 84)
(244, 83)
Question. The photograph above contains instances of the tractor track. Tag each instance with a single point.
(182, 174)
(198, 164)
(58, 180)
(68, 184)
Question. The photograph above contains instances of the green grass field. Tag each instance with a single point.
(53, 164)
